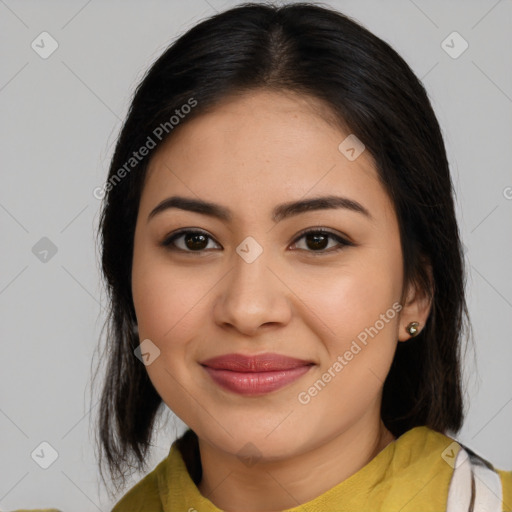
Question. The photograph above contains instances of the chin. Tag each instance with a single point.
(255, 443)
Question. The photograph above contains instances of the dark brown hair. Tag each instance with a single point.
(371, 91)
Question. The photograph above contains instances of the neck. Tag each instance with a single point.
(286, 483)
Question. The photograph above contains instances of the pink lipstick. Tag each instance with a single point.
(255, 375)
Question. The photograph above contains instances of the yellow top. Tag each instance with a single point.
(411, 474)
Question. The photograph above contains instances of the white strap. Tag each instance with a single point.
(488, 489)
(459, 494)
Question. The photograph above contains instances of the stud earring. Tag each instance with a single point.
(412, 328)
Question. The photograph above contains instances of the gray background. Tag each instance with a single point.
(60, 119)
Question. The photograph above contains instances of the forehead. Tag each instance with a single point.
(266, 145)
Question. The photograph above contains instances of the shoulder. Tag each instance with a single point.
(479, 481)
(170, 476)
(423, 444)
(506, 483)
(145, 495)
(490, 489)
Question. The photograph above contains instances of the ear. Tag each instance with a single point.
(416, 307)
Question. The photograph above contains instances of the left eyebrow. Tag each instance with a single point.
(280, 212)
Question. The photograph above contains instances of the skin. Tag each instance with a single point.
(250, 154)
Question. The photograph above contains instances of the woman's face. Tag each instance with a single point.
(252, 284)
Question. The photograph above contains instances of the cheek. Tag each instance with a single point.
(359, 303)
(168, 303)
(356, 318)
(168, 300)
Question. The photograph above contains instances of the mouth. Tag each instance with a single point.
(255, 375)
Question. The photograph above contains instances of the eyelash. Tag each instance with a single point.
(168, 243)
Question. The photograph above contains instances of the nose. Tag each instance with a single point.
(252, 296)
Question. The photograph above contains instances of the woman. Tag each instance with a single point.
(285, 274)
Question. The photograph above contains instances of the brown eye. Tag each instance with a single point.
(317, 240)
(192, 241)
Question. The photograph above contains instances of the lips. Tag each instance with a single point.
(255, 375)
(259, 363)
